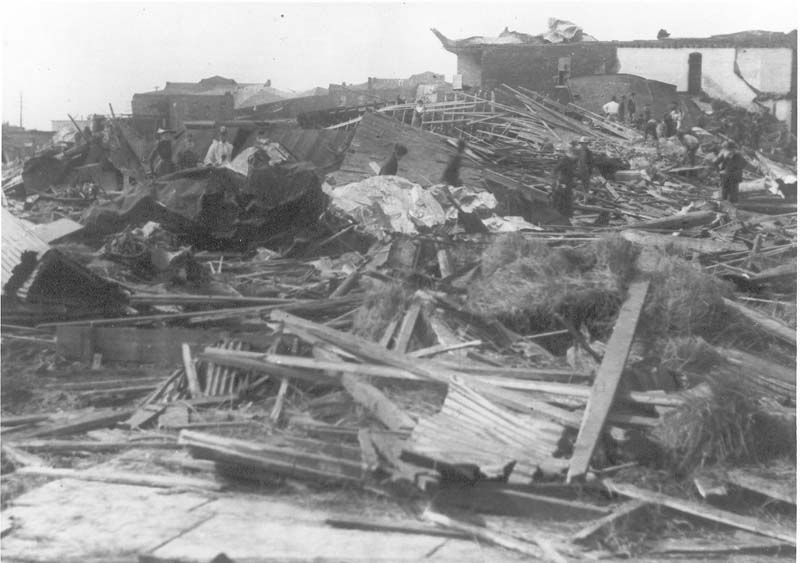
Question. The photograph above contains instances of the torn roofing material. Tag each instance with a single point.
(17, 239)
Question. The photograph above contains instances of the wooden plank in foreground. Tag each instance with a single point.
(764, 322)
(703, 511)
(619, 512)
(607, 379)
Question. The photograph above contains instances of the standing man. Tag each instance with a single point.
(162, 152)
(730, 163)
(187, 157)
(669, 125)
(611, 109)
(389, 167)
(631, 108)
(564, 173)
(621, 110)
(691, 144)
(585, 163)
(451, 175)
(419, 109)
(220, 151)
(677, 117)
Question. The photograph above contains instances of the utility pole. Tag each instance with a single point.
(20, 108)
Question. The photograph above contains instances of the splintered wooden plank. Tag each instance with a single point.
(783, 490)
(600, 523)
(372, 399)
(191, 373)
(764, 322)
(607, 379)
(121, 477)
(100, 419)
(407, 328)
(703, 511)
(541, 549)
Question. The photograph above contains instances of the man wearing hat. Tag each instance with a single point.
(187, 158)
(220, 151)
(585, 162)
(564, 173)
(162, 152)
(730, 163)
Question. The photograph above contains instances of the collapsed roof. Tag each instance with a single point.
(559, 31)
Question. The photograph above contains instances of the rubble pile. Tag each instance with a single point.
(613, 375)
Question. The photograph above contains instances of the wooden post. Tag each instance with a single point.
(191, 373)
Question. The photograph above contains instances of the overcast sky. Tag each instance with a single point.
(79, 57)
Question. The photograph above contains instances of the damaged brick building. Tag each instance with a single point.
(751, 67)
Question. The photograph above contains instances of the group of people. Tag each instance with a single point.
(575, 167)
(161, 158)
(623, 110)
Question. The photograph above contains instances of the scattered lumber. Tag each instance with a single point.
(122, 477)
(779, 490)
(703, 511)
(395, 526)
(66, 446)
(676, 222)
(622, 511)
(541, 549)
(607, 379)
(264, 460)
(769, 325)
(101, 419)
(22, 458)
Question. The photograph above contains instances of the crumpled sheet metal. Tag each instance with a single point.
(387, 203)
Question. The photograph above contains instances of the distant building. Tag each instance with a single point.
(373, 92)
(741, 68)
(212, 99)
(387, 89)
(20, 143)
(752, 67)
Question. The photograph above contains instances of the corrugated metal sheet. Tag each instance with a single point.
(16, 239)
(469, 429)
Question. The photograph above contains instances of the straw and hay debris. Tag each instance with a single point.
(527, 283)
(683, 301)
(383, 303)
(721, 422)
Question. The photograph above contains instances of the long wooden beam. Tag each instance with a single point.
(607, 379)
(768, 529)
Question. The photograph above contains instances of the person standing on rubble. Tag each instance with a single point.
(631, 108)
(163, 154)
(691, 144)
(451, 175)
(669, 125)
(730, 163)
(623, 103)
(564, 173)
(187, 157)
(389, 167)
(220, 151)
(419, 109)
(611, 109)
(677, 118)
(585, 163)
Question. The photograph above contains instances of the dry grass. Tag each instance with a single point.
(683, 301)
(383, 303)
(721, 422)
(527, 283)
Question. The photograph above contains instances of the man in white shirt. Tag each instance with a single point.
(220, 151)
(611, 109)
